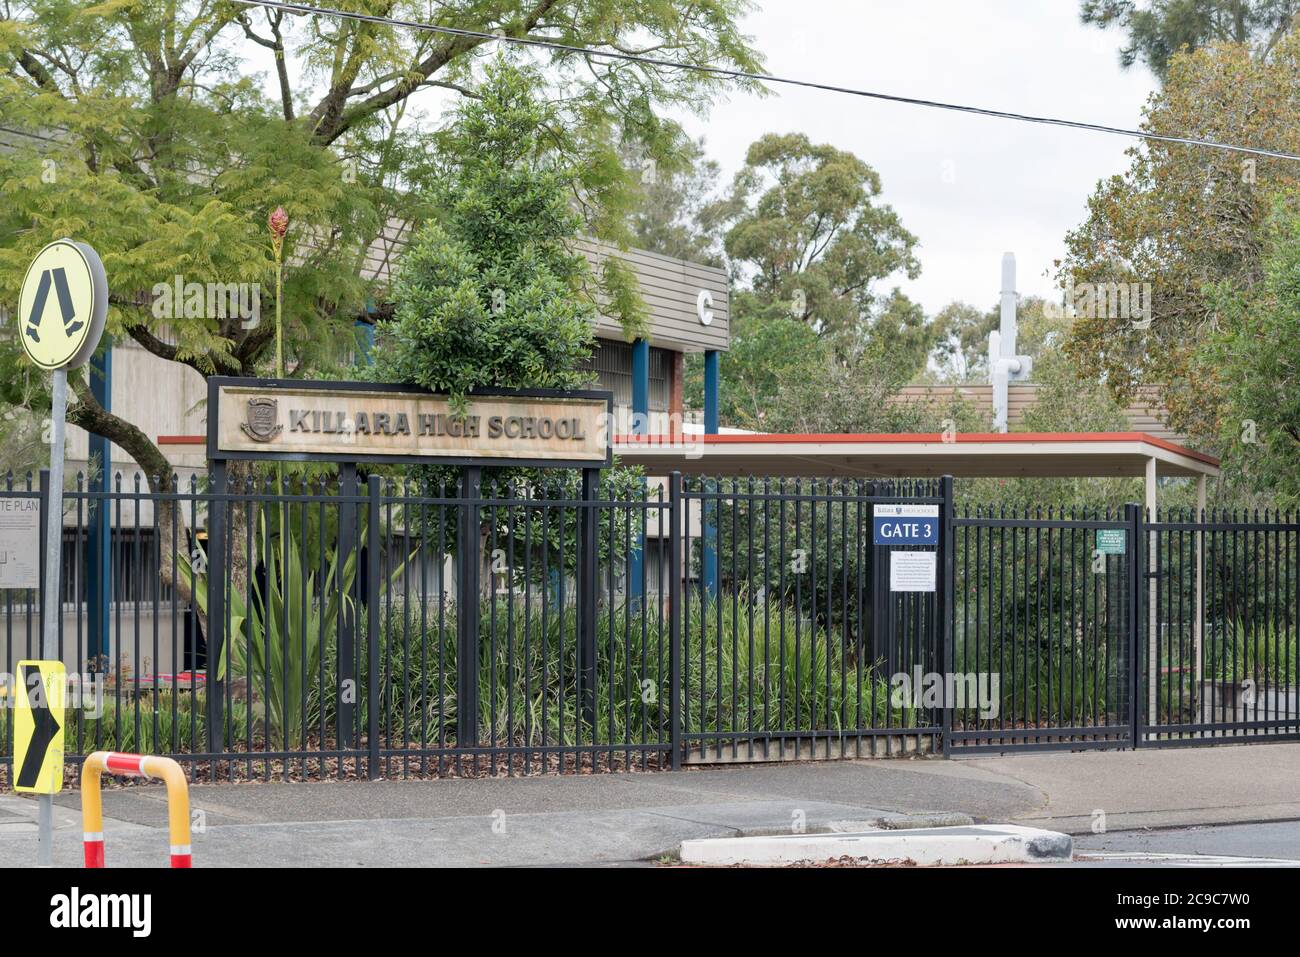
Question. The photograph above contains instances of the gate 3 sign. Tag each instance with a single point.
(372, 422)
(905, 524)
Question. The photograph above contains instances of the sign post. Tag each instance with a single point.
(62, 308)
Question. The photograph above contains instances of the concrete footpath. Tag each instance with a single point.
(613, 819)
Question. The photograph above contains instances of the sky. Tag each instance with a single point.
(969, 188)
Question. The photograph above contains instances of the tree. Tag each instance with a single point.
(815, 346)
(807, 230)
(167, 157)
(1179, 220)
(489, 294)
(781, 376)
(1162, 28)
(962, 353)
(676, 212)
(1064, 400)
(1256, 357)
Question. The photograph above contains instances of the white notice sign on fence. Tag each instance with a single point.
(20, 543)
(912, 571)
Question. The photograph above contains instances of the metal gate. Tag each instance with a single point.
(791, 638)
(1043, 605)
(1118, 630)
(1220, 657)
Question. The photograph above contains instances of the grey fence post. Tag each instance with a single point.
(373, 638)
(588, 557)
(882, 637)
(44, 538)
(468, 561)
(675, 610)
(346, 692)
(217, 617)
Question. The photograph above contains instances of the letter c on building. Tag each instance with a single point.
(703, 307)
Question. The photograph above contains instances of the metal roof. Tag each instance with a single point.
(976, 454)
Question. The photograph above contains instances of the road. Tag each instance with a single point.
(1229, 802)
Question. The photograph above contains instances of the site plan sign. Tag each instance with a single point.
(20, 542)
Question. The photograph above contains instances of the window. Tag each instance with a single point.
(611, 363)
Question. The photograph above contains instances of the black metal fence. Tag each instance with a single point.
(1042, 620)
(1222, 623)
(352, 644)
(1122, 629)
(327, 627)
(791, 635)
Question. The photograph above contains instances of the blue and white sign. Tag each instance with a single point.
(900, 524)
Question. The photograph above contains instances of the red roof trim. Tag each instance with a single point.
(182, 440)
(917, 438)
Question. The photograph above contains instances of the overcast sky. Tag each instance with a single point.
(1010, 186)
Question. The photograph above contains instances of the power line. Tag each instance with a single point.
(289, 7)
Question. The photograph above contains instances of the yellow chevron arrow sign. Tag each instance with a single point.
(38, 727)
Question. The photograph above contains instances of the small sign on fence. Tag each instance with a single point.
(1112, 541)
(912, 571)
(20, 543)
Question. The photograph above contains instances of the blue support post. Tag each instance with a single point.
(709, 537)
(640, 426)
(711, 392)
(99, 567)
(365, 334)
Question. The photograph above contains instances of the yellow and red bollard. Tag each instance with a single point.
(137, 765)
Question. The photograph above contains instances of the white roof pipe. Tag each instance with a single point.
(1010, 299)
(1004, 365)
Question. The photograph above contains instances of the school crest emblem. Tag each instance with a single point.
(262, 423)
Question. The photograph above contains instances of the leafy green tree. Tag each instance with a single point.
(143, 129)
(489, 293)
(807, 229)
(1181, 220)
(150, 138)
(815, 346)
(1256, 357)
(1159, 29)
